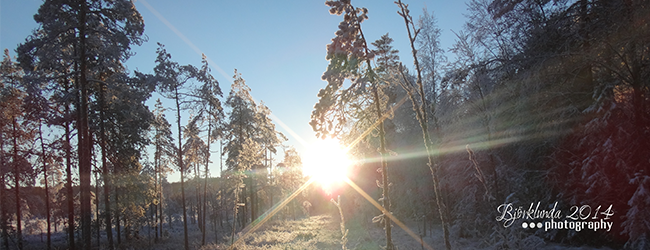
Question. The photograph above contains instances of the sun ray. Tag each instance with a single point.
(214, 65)
(374, 125)
(185, 39)
(289, 130)
(457, 147)
(390, 215)
(268, 214)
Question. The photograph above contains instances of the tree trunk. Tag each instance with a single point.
(117, 216)
(47, 189)
(384, 171)
(247, 202)
(253, 194)
(5, 234)
(162, 216)
(158, 187)
(205, 182)
(234, 216)
(105, 170)
(84, 134)
(3, 199)
(182, 169)
(155, 186)
(197, 193)
(68, 184)
(222, 186)
(19, 226)
(97, 217)
(382, 153)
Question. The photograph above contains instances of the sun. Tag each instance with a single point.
(327, 161)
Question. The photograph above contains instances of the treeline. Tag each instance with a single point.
(541, 101)
(75, 133)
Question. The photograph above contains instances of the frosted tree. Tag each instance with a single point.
(432, 59)
(163, 150)
(171, 78)
(19, 127)
(289, 177)
(38, 110)
(249, 132)
(210, 107)
(126, 132)
(417, 96)
(239, 129)
(269, 139)
(195, 153)
(636, 225)
(177, 82)
(350, 59)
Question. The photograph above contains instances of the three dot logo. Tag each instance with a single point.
(531, 225)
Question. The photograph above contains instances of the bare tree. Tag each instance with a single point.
(420, 107)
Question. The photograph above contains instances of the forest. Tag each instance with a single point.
(532, 131)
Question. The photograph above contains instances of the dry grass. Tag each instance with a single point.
(316, 232)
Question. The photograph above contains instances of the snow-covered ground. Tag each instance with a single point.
(315, 232)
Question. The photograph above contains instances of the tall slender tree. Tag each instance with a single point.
(420, 106)
(350, 58)
(163, 144)
(173, 81)
(38, 110)
(195, 155)
(19, 128)
(208, 97)
(103, 140)
(240, 148)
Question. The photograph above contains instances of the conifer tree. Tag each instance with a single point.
(208, 94)
(163, 150)
(171, 77)
(248, 131)
(350, 58)
(20, 123)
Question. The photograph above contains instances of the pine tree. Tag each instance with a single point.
(38, 110)
(19, 128)
(350, 58)
(208, 94)
(289, 177)
(194, 150)
(163, 150)
(171, 77)
(249, 132)
(241, 149)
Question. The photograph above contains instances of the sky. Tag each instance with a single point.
(279, 47)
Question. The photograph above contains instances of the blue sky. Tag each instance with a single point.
(278, 46)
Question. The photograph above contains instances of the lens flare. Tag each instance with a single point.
(327, 162)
